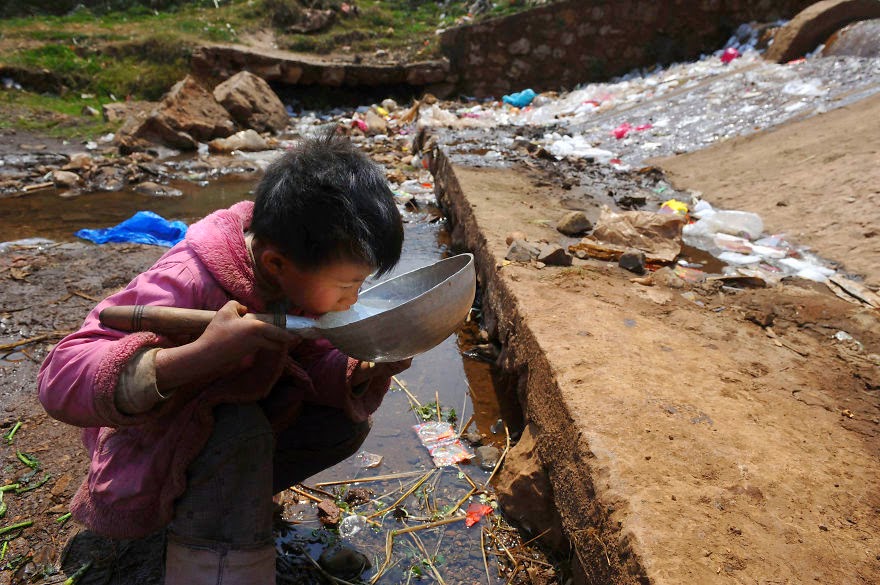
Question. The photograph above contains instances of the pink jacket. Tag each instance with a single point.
(138, 463)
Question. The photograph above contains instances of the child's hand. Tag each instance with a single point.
(368, 370)
(229, 337)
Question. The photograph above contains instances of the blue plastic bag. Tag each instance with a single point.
(520, 99)
(144, 227)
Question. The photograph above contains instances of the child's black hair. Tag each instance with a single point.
(323, 201)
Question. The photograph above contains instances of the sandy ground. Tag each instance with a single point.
(817, 180)
(718, 437)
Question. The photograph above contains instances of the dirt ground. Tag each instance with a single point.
(817, 181)
(708, 434)
(693, 435)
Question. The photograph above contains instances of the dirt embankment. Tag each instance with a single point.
(691, 436)
(817, 180)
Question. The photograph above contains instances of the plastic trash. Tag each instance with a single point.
(520, 99)
(367, 460)
(729, 55)
(621, 131)
(674, 206)
(351, 525)
(727, 222)
(144, 227)
(442, 443)
(475, 513)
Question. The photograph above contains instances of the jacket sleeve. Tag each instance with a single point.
(330, 371)
(78, 379)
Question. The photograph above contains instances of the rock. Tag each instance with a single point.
(246, 140)
(515, 236)
(812, 26)
(79, 161)
(108, 179)
(574, 223)
(488, 456)
(90, 112)
(65, 179)
(187, 115)
(521, 251)
(122, 111)
(329, 513)
(343, 562)
(633, 260)
(312, 20)
(554, 255)
(252, 103)
(152, 189)
(524, 492)
(358, 496)
(376, 124)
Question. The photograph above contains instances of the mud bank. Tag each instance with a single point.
(718, 436)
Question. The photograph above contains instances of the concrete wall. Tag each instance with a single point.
(576, 41)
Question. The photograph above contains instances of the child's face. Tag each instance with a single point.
(333, 287)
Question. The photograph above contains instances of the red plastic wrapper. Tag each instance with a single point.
(475, 513)
(729, 55)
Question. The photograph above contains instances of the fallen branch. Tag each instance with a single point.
(403, 497)
(304, 494)
(44, 337)
(374, 478)
(428, 558)
(483, 550)
(405, 389)
(501, 458)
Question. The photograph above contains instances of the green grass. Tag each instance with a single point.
(56, 116)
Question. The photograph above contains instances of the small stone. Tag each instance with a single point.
(521, 251)
(78, 161)
(488, 457)
(554, 255)
(823, 528)
(152, 189)
(65, 179)
(515, 236)
(633, 260)
(329, 513)
(473, 437)
(574, 223)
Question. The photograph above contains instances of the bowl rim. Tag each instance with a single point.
(469, 263)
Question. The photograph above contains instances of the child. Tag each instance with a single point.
(196, 435)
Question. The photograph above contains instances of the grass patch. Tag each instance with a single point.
(52, 115)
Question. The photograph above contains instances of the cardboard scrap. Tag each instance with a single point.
(658, 235)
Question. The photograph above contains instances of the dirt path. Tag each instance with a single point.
(816, 180)
(724, 439)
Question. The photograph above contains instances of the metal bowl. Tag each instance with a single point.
(403, 316)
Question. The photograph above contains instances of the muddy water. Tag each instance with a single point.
(441, 374)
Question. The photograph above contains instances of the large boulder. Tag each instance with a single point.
(252, 102)
(525, 493)
(813, 25)
(188, 114)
